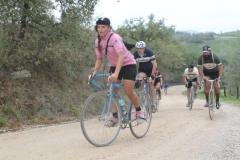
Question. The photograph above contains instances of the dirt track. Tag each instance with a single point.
(175, 133)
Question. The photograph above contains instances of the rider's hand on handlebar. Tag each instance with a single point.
(152, 77)
(218, 79)
(113, 77)
(90, 77)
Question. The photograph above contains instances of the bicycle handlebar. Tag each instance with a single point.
(95, 84)
(144, 78)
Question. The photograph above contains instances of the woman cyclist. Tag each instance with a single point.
(123, 64)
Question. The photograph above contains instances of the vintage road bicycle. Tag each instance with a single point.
(98, 109)
(211, 100)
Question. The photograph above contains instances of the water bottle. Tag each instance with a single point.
(122, 104)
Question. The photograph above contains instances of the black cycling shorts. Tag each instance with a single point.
(189, 85)
(213, 75)
(156, 81)
(147, 72)
(127, 72)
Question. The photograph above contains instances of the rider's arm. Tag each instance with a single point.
(185, 79)
(201, 72)
(154, 63)
(198, 80)
(161, 81)
(98, 64)
(200, 67)
(220, 67)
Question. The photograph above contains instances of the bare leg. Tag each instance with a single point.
(152, 93)
(128, 86)
(206, 88)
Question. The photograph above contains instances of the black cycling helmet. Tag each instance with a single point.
(191, 66)
(103, 20)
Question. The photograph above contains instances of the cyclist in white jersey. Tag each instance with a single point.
(191, 75)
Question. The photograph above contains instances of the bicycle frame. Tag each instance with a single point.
(146, 89)
(112, 94)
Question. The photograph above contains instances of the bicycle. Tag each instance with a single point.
(147, 91)
(98, 108)
(211, 96)
(146, 86)
(158, 92)
(192, 97)
(158, 97)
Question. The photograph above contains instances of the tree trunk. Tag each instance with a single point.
(23, 20)
(224, 90)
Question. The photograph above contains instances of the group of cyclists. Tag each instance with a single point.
(210, 68)
(124, 67)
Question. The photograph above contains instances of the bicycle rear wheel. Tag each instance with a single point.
(211, 104)
(140, 130)
(95, 114)
(191, 99)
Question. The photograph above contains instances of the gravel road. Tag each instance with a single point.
(175, 134)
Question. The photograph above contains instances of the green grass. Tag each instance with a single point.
(231, 100)
(216, 45)
(231, 34)
(3, 122)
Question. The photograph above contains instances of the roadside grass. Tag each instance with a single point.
(228, 99)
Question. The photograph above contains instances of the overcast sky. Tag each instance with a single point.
(199, 15)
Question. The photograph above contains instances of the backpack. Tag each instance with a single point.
(127, 45)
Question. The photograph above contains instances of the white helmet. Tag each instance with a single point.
(140, 44)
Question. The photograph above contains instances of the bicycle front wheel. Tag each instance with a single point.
(158, 97)
(140, 130)
(191, 99)
(211, 104)
(96, 112)
(165, 91)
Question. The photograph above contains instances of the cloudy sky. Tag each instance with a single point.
(199, 15)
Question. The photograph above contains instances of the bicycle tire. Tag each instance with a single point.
(95, 113)
(165, 91)
(140, 130)
(158, 94)
(211, 104)
(191, 99)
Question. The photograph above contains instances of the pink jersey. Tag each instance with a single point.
(115, 45)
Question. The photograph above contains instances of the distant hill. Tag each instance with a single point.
(191, 31)
(187, 32)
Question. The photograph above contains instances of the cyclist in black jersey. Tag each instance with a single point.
(147, 67)
(210, 67)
